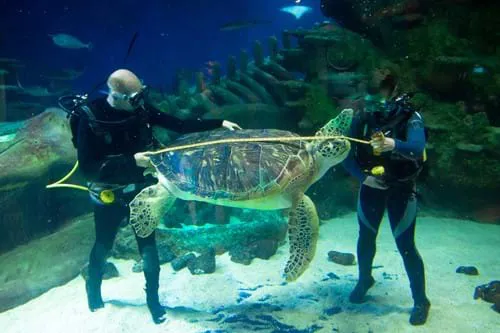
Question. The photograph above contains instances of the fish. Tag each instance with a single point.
(10, 63)
(37, 91)
(8, 87)
(3, 71)
(297, 11)
(69, 42)
(63, 75)
(242, 24)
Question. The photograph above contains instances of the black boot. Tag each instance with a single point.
(94, 298)
(157, 310)
(153, 301)
(420, 313)
(359, 292)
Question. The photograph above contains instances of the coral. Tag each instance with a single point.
(435, 39)
(319, 107)
(458, 140)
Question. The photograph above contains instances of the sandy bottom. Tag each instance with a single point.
(213, 302)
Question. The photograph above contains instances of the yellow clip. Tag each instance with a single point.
(107, 196)
(378, 170)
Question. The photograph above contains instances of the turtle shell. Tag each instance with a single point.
(233, 171)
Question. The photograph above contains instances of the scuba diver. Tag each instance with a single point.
(388, 169)
(109, 134)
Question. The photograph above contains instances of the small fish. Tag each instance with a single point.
(36, 91)
(3, 71)
(9, 61)
(69, 42)
(242, 24)
(63, 75)
(8, 87)
(297, 11)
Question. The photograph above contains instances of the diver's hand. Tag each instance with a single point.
(375, 182)
(142, 160)
(230, 125)
(383, 144)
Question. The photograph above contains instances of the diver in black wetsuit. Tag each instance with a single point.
(400, 151)
(109, 141)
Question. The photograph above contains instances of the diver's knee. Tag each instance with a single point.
(100, 251)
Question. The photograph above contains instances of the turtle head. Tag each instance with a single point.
(333, 151)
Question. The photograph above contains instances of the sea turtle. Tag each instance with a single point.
(257, 175)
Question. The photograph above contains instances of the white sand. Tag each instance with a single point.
(444, 244)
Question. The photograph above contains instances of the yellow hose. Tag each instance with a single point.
(59, 184)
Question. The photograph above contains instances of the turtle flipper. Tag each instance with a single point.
(303, 226)
(148, 208)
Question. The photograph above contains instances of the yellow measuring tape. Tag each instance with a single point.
(59, 183)
(245, 140)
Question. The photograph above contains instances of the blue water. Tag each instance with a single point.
(171, 35)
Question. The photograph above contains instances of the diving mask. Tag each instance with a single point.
(136, 99)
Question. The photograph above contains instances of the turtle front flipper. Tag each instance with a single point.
(303, 226)
(148, 208)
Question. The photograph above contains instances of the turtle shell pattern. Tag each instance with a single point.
(234, 171)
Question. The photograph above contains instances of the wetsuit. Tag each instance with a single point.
(402, 166)
(106, 158)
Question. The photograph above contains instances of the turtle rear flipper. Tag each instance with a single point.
(303, 226)
(148, 208)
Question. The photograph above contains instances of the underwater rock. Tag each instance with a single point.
(203, 264)
(110, 271)
(165, 255)
(490, 293)
(222, 238)
(35, 153)
(467, 270)
(241, 255)
(182, 261)
(51, 261)
(346, 259)
(262, 249)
